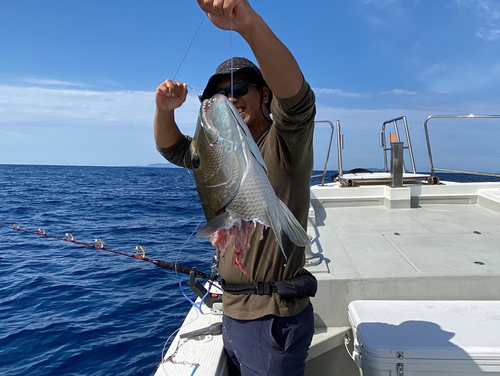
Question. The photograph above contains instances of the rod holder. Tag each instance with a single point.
(397, 164)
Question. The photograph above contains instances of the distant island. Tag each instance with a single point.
(162, 165)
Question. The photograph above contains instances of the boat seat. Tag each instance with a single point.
(489, 198)
(327, 338)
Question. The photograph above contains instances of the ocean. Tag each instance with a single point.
(67, 309)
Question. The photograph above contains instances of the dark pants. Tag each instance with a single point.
(268, 346)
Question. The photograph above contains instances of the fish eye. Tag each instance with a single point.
(195, 161)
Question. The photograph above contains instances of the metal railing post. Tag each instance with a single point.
(397, 164)
(408, 140)
(427, 138)
(340, 146)
(328, 151)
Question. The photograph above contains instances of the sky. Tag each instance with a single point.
(77, 78)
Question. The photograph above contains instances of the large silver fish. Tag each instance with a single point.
(231, 178)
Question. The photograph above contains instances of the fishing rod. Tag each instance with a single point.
(140, 254)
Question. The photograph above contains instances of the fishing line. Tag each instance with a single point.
(193, 303)
(189, 47)
(187, 51)
(179, 279)
(98, 244)
(231, 54)
(196, 305)
(183, 245)
(184, 161)
(172, 356)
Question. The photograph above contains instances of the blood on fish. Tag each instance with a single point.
(233, 186)
(219, 240)
(239, 236)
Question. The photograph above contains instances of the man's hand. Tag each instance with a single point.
(276, 62)
(170, 95)
(223, 12)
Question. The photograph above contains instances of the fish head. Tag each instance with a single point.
(218, 158)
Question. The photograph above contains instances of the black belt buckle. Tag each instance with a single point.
(262, 288)
(265, 288)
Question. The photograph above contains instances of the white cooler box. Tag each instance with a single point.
(410, 338)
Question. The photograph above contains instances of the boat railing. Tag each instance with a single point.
(330, 139)
(471, 116)
(386, 148)
(362, 176)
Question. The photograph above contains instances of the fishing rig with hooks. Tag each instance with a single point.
(206, 295)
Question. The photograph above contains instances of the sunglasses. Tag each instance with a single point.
(239, 89)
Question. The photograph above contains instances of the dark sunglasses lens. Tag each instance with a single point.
(239, 89)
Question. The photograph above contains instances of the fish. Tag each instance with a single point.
(232, 183)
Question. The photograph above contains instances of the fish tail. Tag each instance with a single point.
(276, 225)
(282, 218)
(293, 228)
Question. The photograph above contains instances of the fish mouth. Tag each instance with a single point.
(211, 134)
(205, 110)
(206, 106)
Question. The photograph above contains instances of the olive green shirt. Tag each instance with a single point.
(287, 149)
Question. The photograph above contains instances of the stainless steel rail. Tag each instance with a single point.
(397, 167)
(471, 116)
(340, 146)
(329, 148)
(408, 139)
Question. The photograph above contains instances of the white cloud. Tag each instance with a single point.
(462, 78)
(486, 14)
(71, 106)
(35, 103)
(436, 68)
(325, 92)
(361, 128)
(58, 124)
(491, 8)
(338, 93)
(52, 82)
(400, 92)
(382, 13)
(490, 35)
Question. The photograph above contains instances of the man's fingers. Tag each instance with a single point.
(218, 8)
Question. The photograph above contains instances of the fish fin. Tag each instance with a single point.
(221, 221)
(254, 149)
(293, 228)
(276, 224)
(246, 135)
(282, 218)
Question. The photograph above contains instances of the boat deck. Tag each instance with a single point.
(377, 242)
(374, 242)
(419, 242)
(447, 231)
(377, 178)
(201, 355)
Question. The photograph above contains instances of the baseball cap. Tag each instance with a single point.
(236, 65)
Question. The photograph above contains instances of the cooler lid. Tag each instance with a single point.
(462, 330)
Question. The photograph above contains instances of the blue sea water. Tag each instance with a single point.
(67, 309)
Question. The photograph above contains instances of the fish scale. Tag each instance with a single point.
(254, 196)
(213, 164)
(237, 193)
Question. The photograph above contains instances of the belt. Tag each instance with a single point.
(300, 286)
(258, 288)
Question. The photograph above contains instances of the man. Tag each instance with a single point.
(264, 333)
